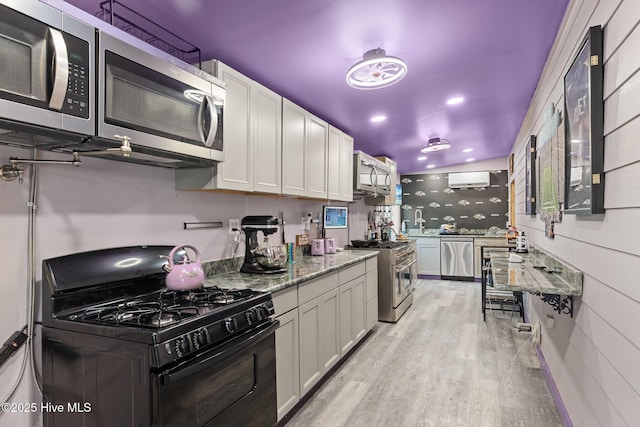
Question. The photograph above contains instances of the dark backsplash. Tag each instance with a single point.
(473, 208)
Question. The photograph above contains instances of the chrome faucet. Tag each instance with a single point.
(417, 219)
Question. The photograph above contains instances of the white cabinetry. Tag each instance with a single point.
(352, 306)
(311, 366)
(428, 249)
(340, 165)
(287, 350)
(372, 292)
(330, 309)
(252, 139)
(304, 152)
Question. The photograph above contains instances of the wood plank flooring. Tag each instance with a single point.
(440, 365)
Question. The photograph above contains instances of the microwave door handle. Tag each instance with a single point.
(60, 70)
(209, 137)
(373, 175)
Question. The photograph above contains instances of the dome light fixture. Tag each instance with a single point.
(436, 144)
(376, 70)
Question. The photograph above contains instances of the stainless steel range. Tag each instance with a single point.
(397, 275)
(121, 349)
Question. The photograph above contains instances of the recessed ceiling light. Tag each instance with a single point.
(431, 166)
(470, 159)
(467, 150)
(376, 119)
(455, 100)
(376, 70)
(422, 158)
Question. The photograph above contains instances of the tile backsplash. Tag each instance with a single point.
(472, 208)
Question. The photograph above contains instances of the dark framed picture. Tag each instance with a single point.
(530, 179)
(584, 127)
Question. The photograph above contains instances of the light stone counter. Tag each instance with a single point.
(538, 274)
(304, 267)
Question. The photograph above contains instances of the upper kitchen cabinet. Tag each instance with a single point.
(340, 165)
(252, 138)
(304, 152)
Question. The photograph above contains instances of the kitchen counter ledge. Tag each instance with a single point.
(303, 268)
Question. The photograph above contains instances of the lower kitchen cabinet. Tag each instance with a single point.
(330, 328)
(352, 313)
(428, 249)
(287, 362)
(372, 293)
(311, 366)
(320, 321)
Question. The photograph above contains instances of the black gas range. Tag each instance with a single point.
(139, 354)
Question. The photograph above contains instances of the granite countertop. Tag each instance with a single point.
(305, 267)
(538, 274)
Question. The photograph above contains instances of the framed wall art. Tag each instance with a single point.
(530, 178)
(584, 127)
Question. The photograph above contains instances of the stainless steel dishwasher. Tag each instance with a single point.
(456, 258)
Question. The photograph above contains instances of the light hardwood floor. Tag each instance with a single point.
(440, 365)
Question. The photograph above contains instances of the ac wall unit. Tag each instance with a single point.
(469, 179)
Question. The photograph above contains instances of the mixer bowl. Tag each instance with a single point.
(272, 257)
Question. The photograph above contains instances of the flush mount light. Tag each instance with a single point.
(455, 100)
(467, 150)
(376, 119)
(470, 159)
(436, 144)
(376, 70)
(431, 166)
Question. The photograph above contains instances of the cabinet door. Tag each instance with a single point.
(358, 309)
(236, 172)
(294, 149)
(334, 172)
(429, 257)
(311, 366)
(372, 298)
(346, 318)
(287, 363)
(330, 328)
(267, 165)
(317, 159)
(346, 168)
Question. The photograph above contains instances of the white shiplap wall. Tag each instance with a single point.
(594, 358)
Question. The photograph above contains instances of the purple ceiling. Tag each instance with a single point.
(491, 52)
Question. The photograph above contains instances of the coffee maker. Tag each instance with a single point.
(521, 244)
(250, 226)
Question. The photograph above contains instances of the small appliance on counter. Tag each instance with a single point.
(329, 245)
(266, 258)
(317, 246)
(522, 247)
(449, 229)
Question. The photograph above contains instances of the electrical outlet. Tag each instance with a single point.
(549, 321)
(536, 332)
(233, 223)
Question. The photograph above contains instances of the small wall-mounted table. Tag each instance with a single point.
(540, 274)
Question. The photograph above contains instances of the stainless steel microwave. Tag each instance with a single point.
(371, 177)
(173, 116)
(46, 69)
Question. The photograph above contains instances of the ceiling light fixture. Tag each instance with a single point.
(456, 100)
(376, 119)
(436, 144)
(422, 158)
(376, 70)
(467, 150)
(431, 166)
(470, 160)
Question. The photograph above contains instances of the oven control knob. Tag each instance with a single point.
(230, 325)
(264, 310)
(182, 347)
(251, 316)
(199, 339)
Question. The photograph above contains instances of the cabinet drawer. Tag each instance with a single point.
(316, 287)
(285, 300)
(349, 273)
(372, 263)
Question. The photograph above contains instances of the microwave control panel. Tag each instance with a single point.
(76, 102)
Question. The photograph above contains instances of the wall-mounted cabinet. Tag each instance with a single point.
(252, 139)
(304, 152)
(340, 165)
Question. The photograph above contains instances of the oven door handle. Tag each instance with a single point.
(216, 355)
(404, 266)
